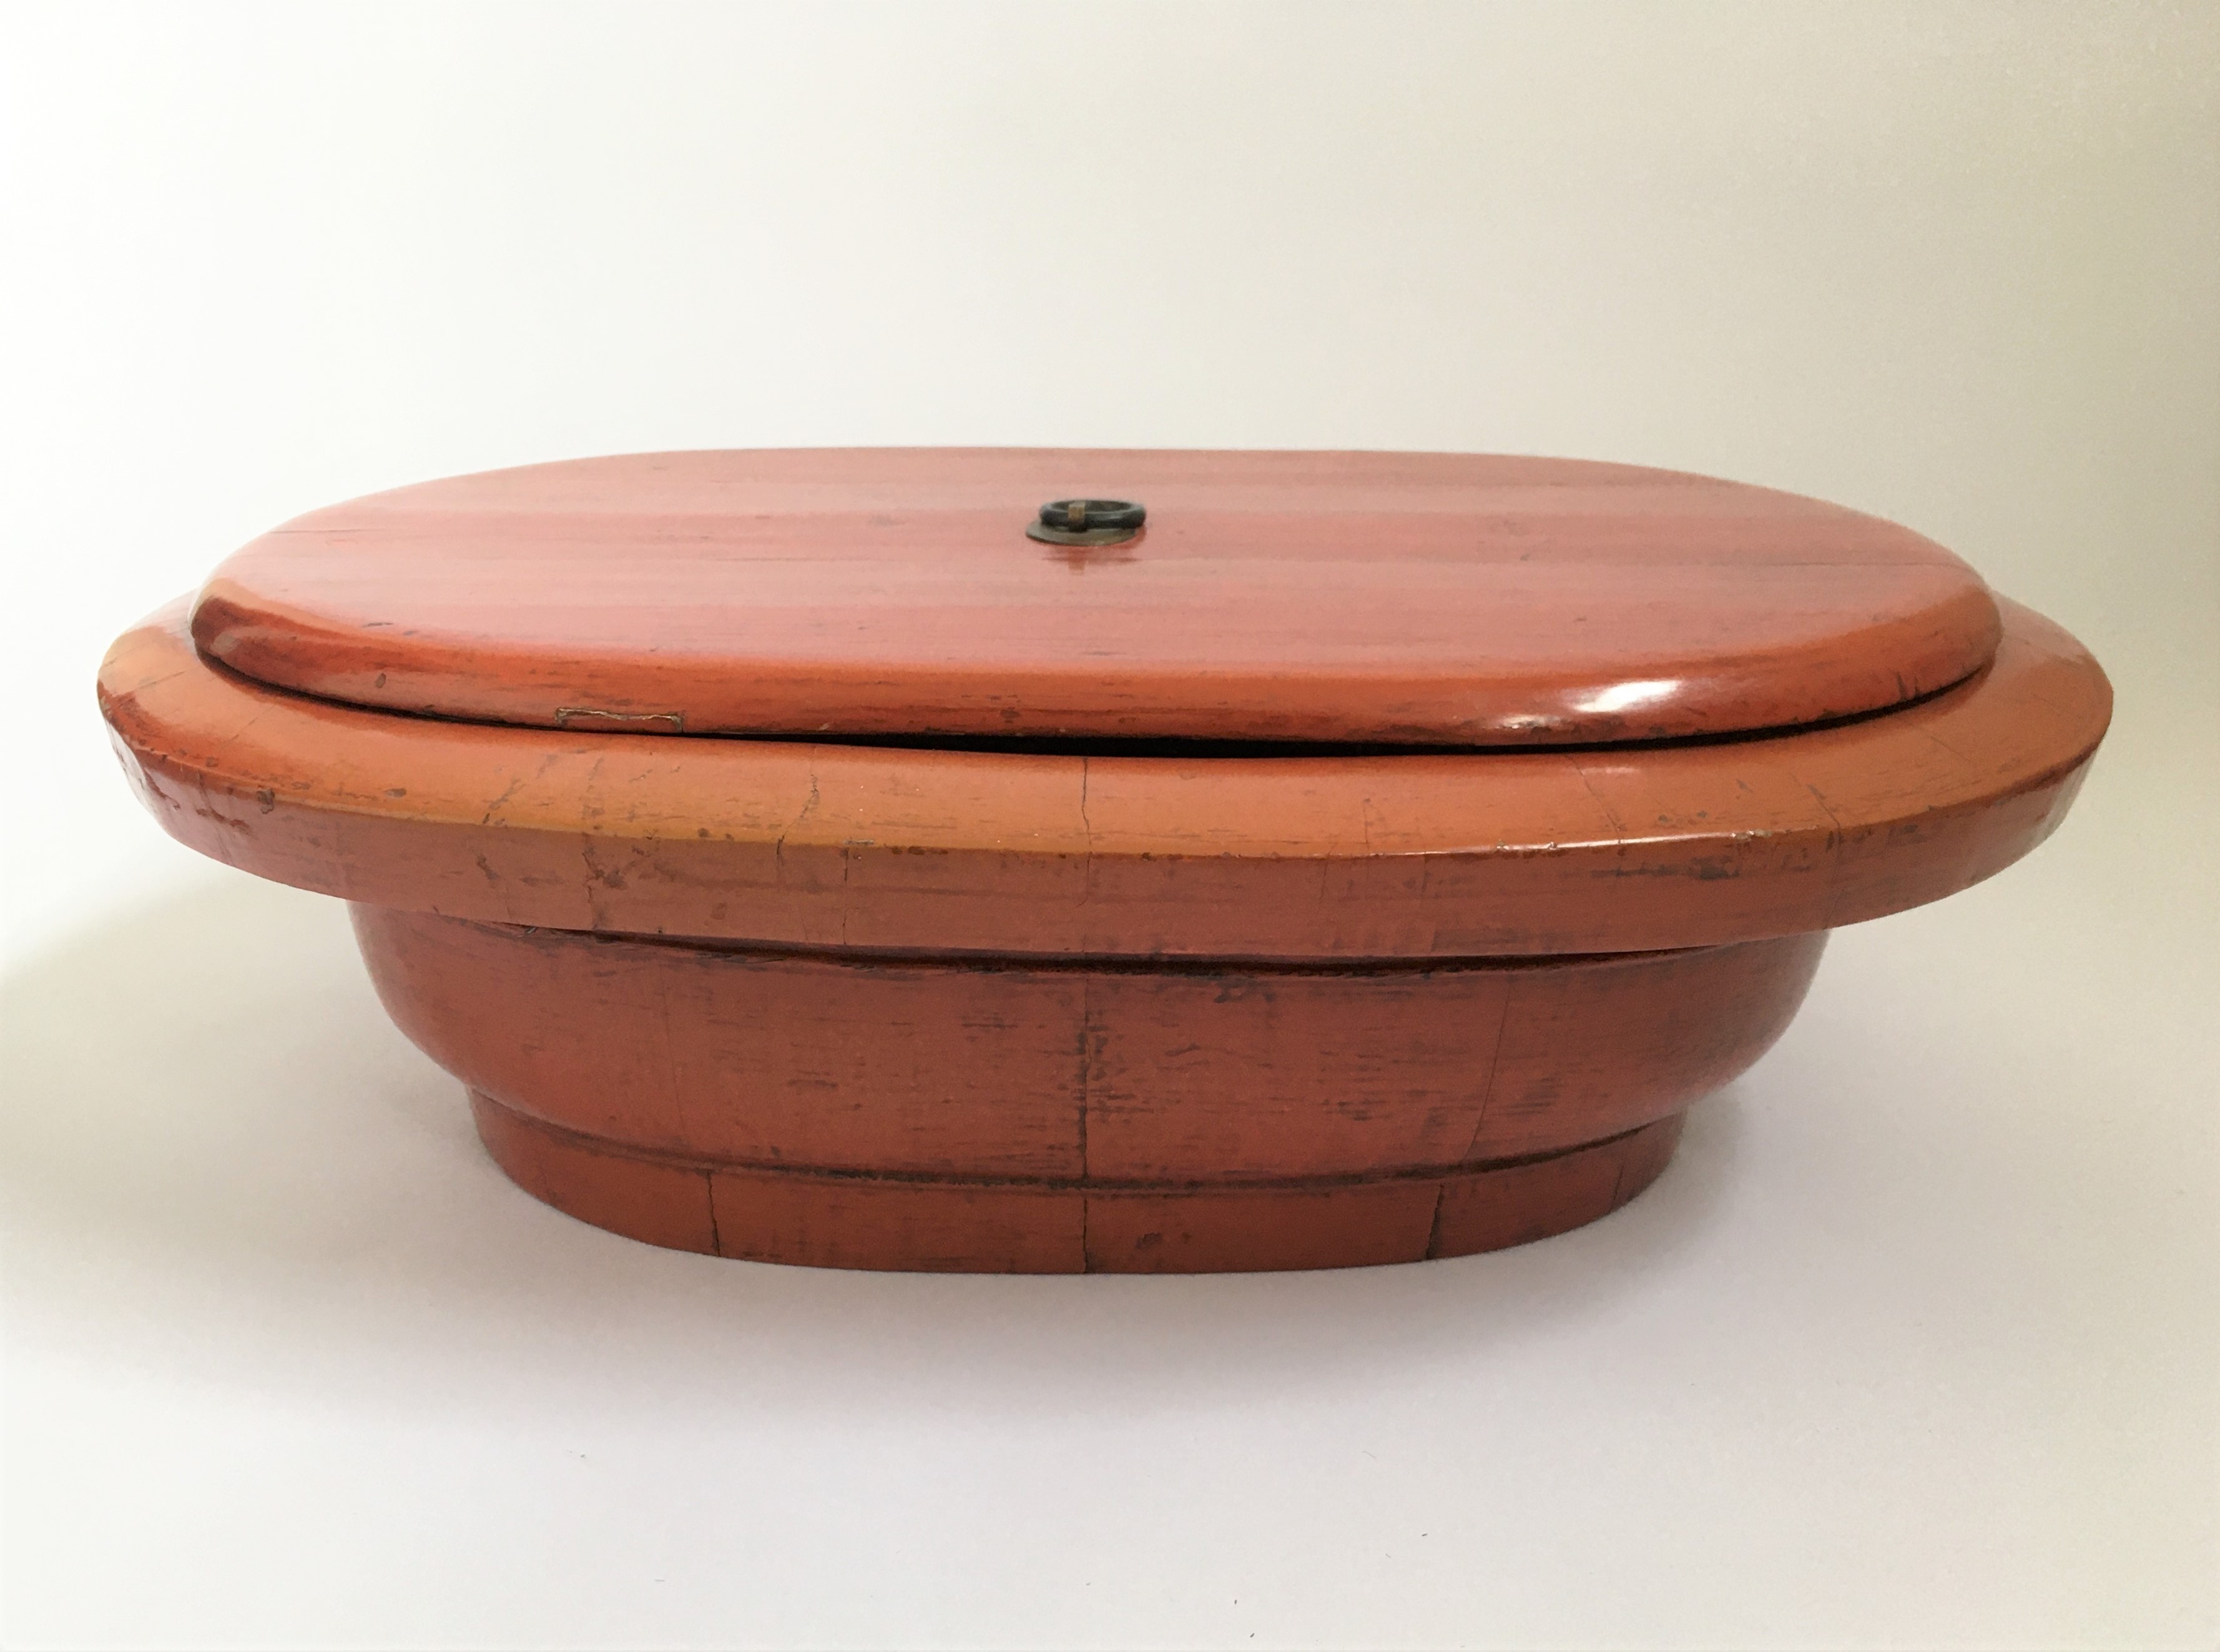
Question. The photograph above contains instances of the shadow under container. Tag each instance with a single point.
(1363, 858)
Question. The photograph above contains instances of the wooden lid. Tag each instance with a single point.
(1422, 599)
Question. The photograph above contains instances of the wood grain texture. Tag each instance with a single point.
(1401, 856)
(1434, 599)
(946, 1226)
(1135, 1076)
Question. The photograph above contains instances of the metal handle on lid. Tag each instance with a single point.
(1087, 521)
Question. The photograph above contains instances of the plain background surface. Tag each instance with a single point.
(1915, 1345)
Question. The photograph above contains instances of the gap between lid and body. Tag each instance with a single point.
(1281, 601)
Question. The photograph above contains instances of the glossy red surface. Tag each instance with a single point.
(1428, 599)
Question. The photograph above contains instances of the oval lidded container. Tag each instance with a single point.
(1049, 861)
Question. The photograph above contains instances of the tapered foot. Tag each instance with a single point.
(1041, 1225)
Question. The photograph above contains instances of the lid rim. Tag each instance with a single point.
(1426, 856)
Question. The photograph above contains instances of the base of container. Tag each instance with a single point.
(1068, 1116)
(764, 1213)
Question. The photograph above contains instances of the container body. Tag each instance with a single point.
(1089, 1115)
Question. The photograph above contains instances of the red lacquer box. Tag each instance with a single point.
(1055, 861)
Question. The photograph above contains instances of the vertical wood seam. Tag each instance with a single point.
(1086, 1061)
(1494, 1065)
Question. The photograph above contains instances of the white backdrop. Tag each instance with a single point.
(1913, 1346)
